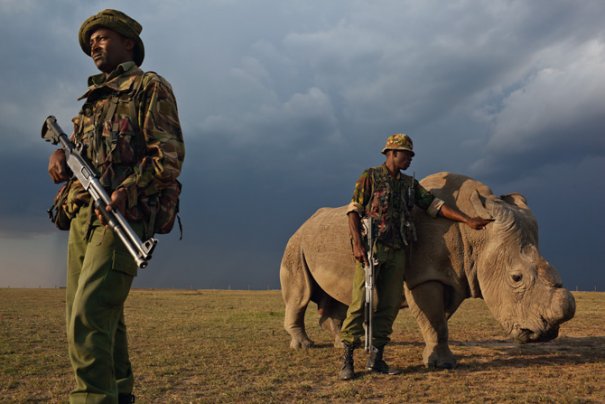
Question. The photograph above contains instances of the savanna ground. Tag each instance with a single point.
(229, 346)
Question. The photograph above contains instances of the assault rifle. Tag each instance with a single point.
(369, 278)
(83, 171)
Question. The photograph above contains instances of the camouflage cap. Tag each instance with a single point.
(398, 141)
(116, 21)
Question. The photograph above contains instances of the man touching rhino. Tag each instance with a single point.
(386, 195)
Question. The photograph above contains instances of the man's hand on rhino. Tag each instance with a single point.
(478, 223)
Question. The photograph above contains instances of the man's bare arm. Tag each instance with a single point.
(454, 214)
(359, 251)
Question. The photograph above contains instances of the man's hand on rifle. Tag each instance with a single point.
(118, 203)
(360, 254)
(57, 167)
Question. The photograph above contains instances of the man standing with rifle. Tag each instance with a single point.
(128, 131)
(383, 200)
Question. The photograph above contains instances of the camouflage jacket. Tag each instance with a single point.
(389, 202)
(130, 130)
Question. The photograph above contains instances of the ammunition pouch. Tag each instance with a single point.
(162, 209)
(168, 209)
(57, 212)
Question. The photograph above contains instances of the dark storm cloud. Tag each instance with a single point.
(556, 116)
(282, 110)
(25, 192)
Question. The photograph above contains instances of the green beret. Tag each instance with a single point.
(116, 21)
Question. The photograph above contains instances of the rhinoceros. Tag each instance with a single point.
(450, 262)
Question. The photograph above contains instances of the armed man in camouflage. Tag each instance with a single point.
(130, 130)
(386, 195)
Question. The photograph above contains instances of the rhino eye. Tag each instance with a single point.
(517, 277)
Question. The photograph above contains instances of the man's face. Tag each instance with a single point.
(108, 49)
(402, 158)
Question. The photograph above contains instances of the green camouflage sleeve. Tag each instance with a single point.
(426, 200)
(161, 129)
(361, 194)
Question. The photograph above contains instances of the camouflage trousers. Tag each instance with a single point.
(99, 275)
(389, 287)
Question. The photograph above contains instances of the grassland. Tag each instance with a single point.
(229, 346)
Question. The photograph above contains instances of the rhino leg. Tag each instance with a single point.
(294, 323)
(426, 302)
(296, 286)
(332, 314)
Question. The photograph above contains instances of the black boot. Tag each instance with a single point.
(377, 364)
(347, 372)
(125, 398)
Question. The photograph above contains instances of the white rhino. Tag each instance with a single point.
(450, 262)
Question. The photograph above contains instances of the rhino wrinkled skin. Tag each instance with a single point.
(450, 262)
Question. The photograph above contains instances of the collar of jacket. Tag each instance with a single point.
(121, 79)
(385, 171)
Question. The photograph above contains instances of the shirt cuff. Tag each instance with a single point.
(435, 207)
(355, 207)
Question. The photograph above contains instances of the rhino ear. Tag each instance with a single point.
(516, 199)
(480, 204)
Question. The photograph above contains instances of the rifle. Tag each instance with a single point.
(407, 228)
(369, 271)
(83, 171)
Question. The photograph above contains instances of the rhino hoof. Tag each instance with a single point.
(444, 365)
(439, 358)
(441, 364)
(301, 344)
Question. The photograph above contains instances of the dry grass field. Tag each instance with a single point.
(229, 346)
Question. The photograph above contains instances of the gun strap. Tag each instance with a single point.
(178, 217)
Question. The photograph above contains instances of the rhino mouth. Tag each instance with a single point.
(525, 335)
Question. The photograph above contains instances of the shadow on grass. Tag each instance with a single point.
(325, 345)
(499, 354)
(405, 371)
(560, 352)
(485, 354)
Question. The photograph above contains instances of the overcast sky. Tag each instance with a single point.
(283, 103)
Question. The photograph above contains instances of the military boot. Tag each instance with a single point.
(347, 372)
(125, 398)
(377, 364)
